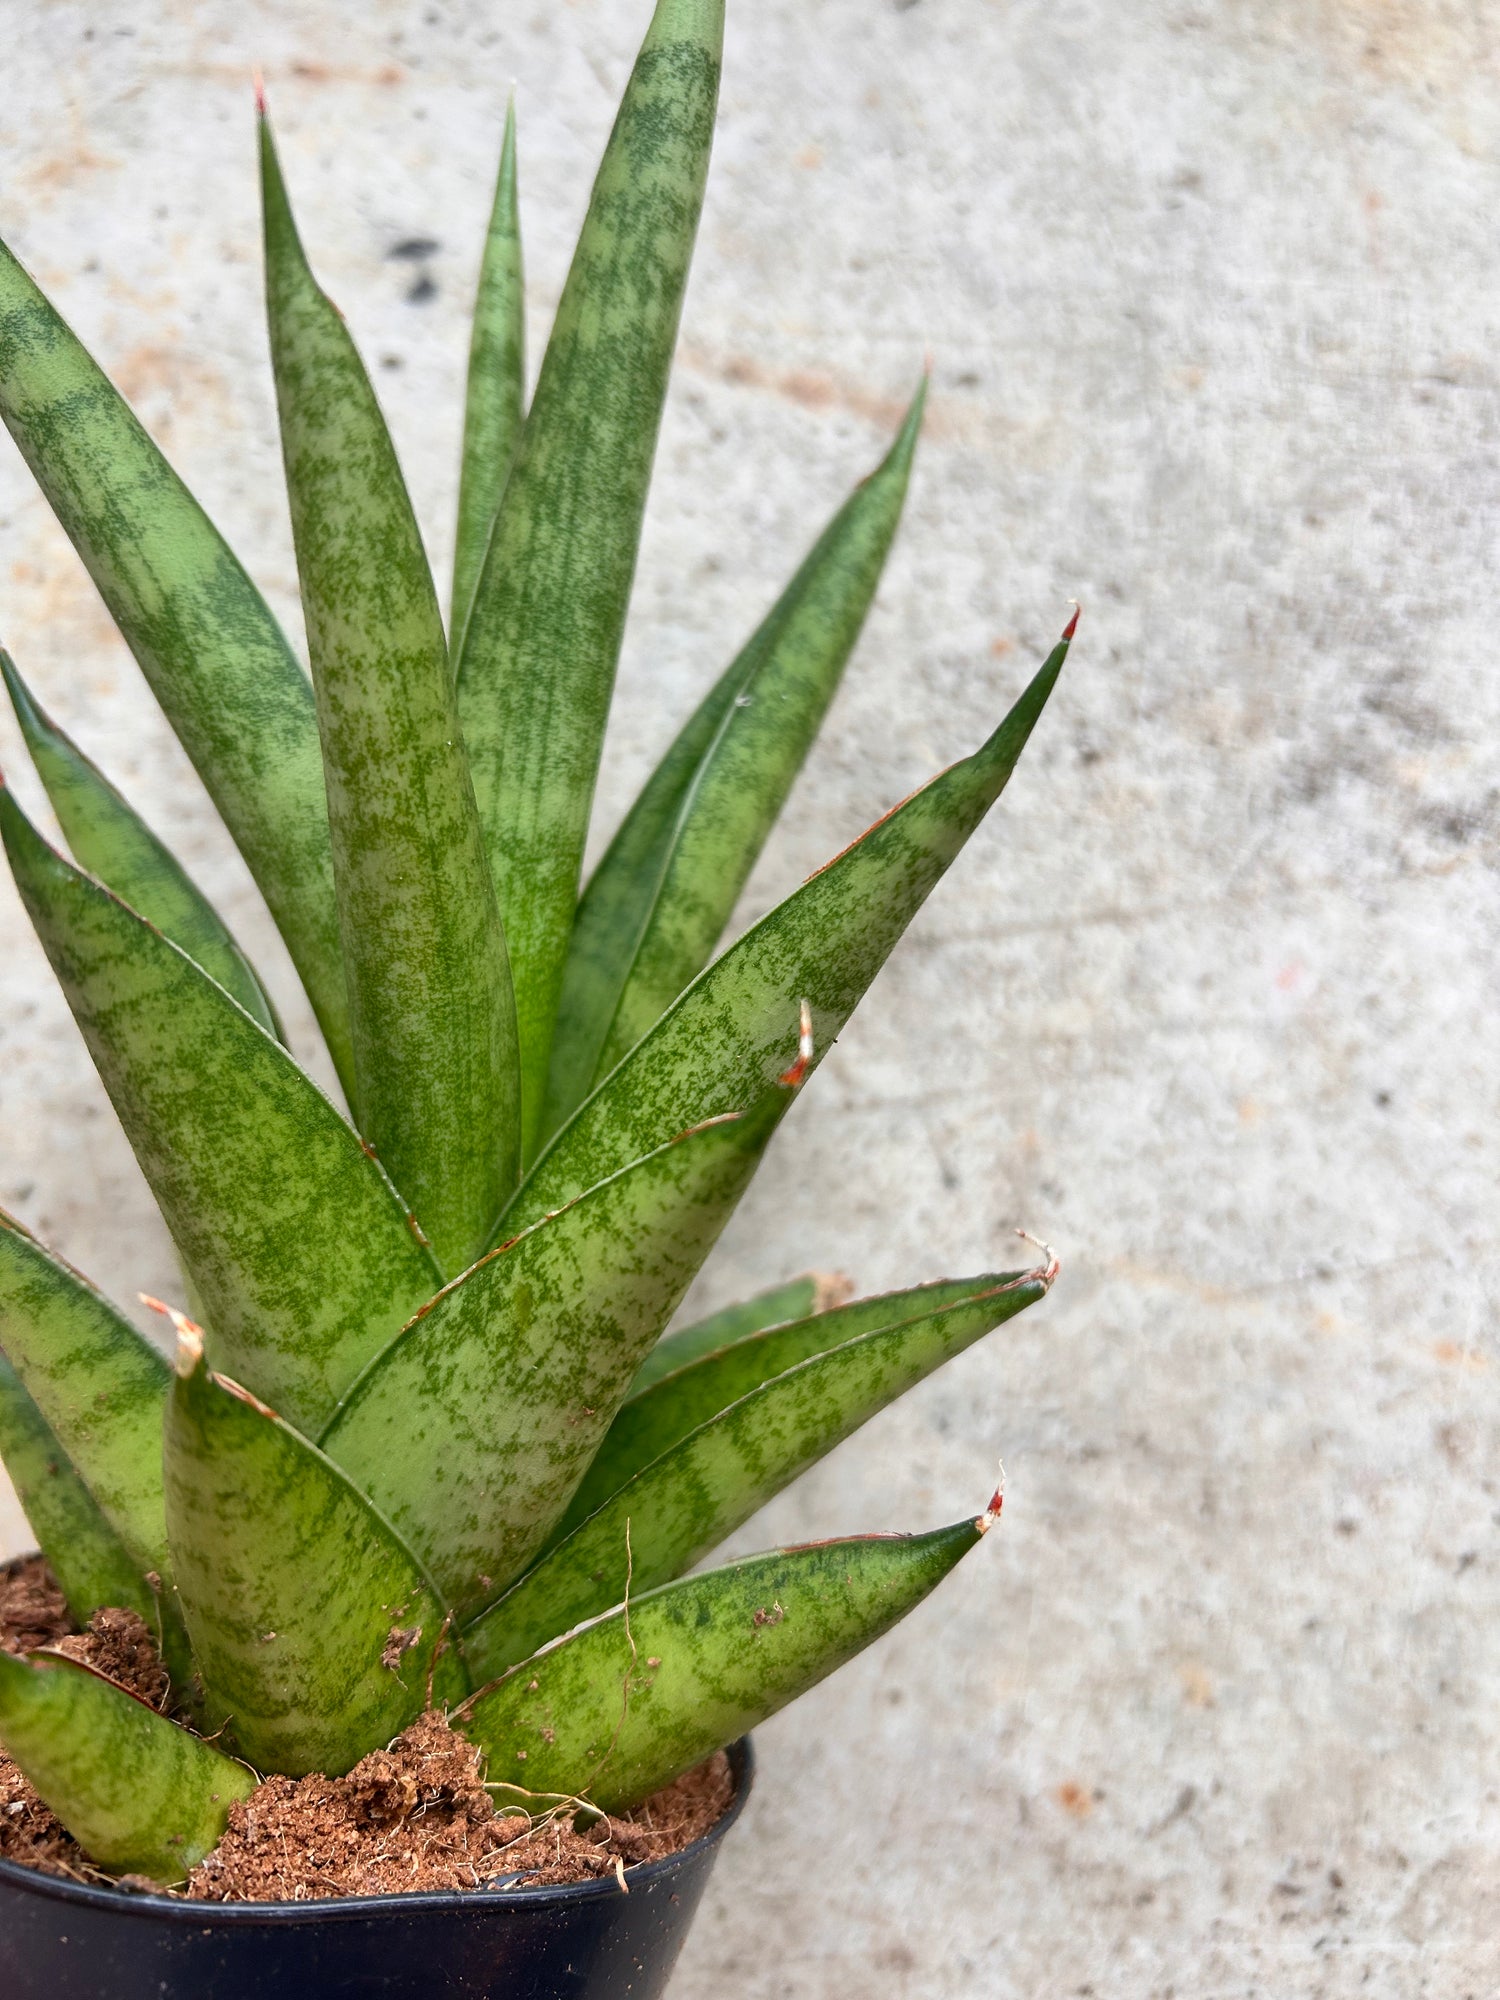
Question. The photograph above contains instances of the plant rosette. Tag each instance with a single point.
(427, 1457)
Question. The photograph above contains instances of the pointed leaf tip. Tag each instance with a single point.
(1072, 625)
(258, 85)
(796, 1076)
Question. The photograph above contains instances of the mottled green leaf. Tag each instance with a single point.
(543, 636)
(215, 657)
(630, 1702)
(473, 1429)
(495, 406)
(436, 1084)
(99, 1384)
(666, 1411)
(687, 1501)
(726, 1035)
(137, 1792)
(642, 932)
(796, 1299)
(87, 1556)
(111, 841)
(314, 1628)
(305, 1257)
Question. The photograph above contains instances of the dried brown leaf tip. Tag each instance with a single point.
(189, 1335)
(794, 1077)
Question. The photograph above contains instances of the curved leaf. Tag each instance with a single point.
(100, 1386)
(641, 934)
(136, 1791)
(687, 1501)
(436, 1086)
(725, 1036)
(667, 1410)
(87, 1556)
(472, 1430)
(495, 407)
(796, 1299)
(304, 1256)
(314, 1628)
(111, 841)
(216, 659)
(630, 1703)
(543, 636)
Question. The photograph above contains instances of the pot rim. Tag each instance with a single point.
(343, 1909)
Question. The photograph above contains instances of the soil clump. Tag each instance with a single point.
(411, 1818)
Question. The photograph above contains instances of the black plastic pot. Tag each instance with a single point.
(64, 1940)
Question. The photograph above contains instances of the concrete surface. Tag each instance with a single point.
(1210, 1003)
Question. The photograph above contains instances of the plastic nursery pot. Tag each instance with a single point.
(63, 1940)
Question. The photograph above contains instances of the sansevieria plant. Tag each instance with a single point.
(425, 1442)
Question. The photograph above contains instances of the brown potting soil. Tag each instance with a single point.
(413, 1817)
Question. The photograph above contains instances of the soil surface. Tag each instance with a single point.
(413, 1817)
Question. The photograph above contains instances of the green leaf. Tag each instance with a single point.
(543, 637)
(87, 1556)
(496, 404)
(215, 657)
(727, 1033)
(315, 1629)
(648, 922)
(623, 1707)
(796, 1299)
(432, 1015)
(137, 1792)
(472, 1430)
(687, 1501)
(660, 1416)
(100, 1386)
(304, 1256)
(111, 841)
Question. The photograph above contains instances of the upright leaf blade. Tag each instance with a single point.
(631, 1702)
(215, 657)
(796, 1299)
(304, 1256)
(99, 1385)
(136, 1791)
(314, 1628)
(660, 1417)
(543, 636)
(431, 1009)
(684, 1503)
(726, 1035)
(473, 1429)
(88, 1558)
(495, 406)
(111, 841)
(640, 936)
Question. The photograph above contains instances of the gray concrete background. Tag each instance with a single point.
(1208, 290)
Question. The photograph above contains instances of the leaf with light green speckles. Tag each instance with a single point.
(683, 1502)
(98, 1382)
(495, 404)
(88, 1558)
(796, 1299)
(110, 840)
(216, 659)
(305, 1257)
(623, 1707)
(649, 921)
(314, 1627)
(687, 1501)
(137, 1792)
(543, 636)
(432, 1017)
(473, 1429)
(726, 1036)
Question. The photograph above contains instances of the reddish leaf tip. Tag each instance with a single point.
(258, 85)
(1072, 625)
(796, 1076)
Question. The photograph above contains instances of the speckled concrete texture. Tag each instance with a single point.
(1210, 1002)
